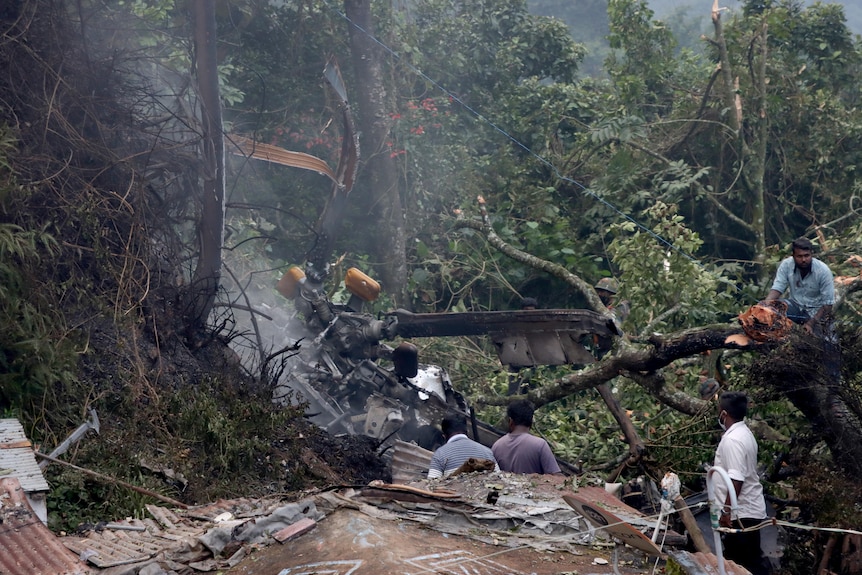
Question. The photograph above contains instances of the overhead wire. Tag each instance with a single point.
(454, 97)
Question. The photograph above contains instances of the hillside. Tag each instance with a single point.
(91, 284)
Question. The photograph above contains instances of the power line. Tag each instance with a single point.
(584, 189)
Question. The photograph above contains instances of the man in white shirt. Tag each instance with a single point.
(737, 454)
(457, 449)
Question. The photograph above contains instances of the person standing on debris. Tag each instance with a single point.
(607, 290)
(457, 449)
(519, 451)
(811, 287)
(737, 454)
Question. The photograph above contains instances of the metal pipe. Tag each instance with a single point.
(715, 508)
(76, 436)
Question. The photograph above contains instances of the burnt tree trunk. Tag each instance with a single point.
(205, 283)
(380, 176)
(805, 370)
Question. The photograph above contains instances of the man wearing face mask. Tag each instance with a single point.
(737, 454)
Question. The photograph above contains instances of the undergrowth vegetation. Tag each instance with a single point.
(35, 350)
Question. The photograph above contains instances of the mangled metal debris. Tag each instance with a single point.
(75, 437)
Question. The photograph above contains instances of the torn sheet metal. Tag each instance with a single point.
(17, 460)
(486, 523)
(504, 509)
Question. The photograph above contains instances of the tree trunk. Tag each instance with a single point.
(381, 174)
(752, 153)
(803, 369)
(205, 283)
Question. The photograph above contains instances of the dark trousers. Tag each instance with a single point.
(825, 330)
(744, 548)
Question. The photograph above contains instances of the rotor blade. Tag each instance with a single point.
(269, 153)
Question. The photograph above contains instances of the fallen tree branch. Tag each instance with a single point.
(116, 481)
(641, 365)
(636, 445)
(556, 270)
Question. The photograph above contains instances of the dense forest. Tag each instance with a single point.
(143, 228)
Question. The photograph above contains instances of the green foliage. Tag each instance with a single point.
(77, 500)
(668, 287)
(35, 351)
(484, 47)
(642, 59)
(588, 24)
(223, 424)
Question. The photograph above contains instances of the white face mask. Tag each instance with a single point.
(720, 422)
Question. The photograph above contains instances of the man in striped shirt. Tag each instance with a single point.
(457, 449)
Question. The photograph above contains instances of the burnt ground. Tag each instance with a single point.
(187, 423)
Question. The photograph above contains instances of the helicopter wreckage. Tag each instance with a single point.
(354, 382)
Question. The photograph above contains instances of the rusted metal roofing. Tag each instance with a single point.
(16, 454)
(27, 547)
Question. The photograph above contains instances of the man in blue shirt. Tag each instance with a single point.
(812, 289)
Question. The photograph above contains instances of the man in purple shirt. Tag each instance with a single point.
(519, 451)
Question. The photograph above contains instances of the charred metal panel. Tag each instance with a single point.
(548, 348)
(576, 353)
(579, 321)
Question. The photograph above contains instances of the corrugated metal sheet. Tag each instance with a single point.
(27, 547)
(114, 546)
(110, 548)
(16, 453)
(409, 462)
(168, 537)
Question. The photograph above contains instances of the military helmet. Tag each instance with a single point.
(608, 284)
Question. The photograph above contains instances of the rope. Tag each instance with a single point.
(767, 523)
(776, 522)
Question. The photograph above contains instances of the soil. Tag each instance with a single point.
(348, 542)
